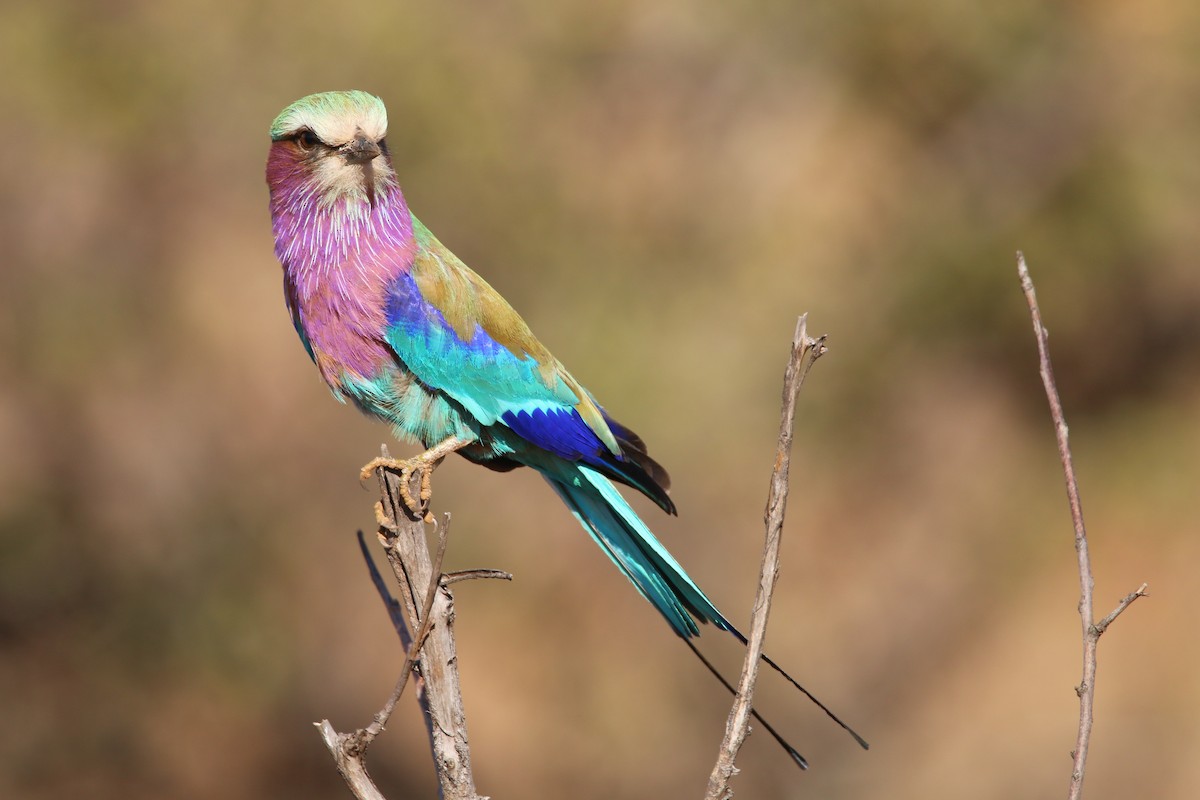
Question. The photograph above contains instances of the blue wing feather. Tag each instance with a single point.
(562, 432)
(482, 374)
(498, 387)
(486, 378)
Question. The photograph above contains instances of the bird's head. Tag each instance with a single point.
(332, 144)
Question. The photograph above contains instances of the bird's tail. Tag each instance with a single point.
(622, 535)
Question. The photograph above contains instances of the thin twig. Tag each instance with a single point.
(475, 574)
(395, 612)
(1091, 631)
(365, 736)
(1103, 624)
(805, 352)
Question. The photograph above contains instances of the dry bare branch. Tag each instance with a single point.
(429, 611)
(805, 352)
(1091, 631)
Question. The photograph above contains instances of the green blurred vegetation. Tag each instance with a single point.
(660, 189)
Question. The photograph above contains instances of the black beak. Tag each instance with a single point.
(360, 151)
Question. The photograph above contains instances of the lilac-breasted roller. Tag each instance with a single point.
(401, 328)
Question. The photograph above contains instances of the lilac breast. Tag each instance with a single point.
(338, 260)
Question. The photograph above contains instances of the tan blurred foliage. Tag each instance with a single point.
(660, 188)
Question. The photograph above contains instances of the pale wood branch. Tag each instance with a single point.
(1103, 624)
(428, 610)
(1091, 631)
(805, 352)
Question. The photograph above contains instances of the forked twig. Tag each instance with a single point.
(1091, 631)
(428, 603)
(363, 738)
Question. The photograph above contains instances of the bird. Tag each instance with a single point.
(401, 328)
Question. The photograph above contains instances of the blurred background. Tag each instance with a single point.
(660, 189)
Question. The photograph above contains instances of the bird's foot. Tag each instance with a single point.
(421, 465)
(407, 469)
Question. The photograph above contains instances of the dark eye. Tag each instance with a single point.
(307, 139)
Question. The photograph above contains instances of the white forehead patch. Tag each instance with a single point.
(335, 117)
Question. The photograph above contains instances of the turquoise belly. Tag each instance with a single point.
(415, 412)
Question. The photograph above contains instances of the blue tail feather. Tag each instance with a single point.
(622, 535)
(625, 539)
